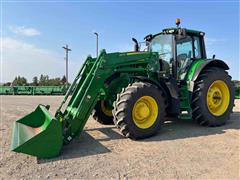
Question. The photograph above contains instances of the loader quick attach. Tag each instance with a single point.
(136, 91)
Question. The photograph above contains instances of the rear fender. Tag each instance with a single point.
(210, 63)
(199, 65)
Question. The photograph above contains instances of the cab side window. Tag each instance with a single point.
(184, 48)
(197, 47)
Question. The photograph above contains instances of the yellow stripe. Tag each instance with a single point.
(133, 53)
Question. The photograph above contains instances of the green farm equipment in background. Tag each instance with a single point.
(136, 91)
(6, 90)
(33, 90)
(237, 92)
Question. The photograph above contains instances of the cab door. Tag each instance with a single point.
(187, 50)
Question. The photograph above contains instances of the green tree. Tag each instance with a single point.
(15, 81)
(35, 81)
(54, 82)
(43, 80)
(19, 81)
(7, 84)
(236, 83)
(63, 80)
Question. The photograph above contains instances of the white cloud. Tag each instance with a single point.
(26, 31)
(213, 41)
(24, 59)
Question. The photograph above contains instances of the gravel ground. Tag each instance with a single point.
(181, 150)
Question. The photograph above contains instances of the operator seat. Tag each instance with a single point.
(183, 63)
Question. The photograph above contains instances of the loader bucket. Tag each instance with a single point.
(38, 134)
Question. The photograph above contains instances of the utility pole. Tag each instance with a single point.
(66, 50)
(96, 43)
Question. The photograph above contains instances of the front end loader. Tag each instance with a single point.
(136, 91)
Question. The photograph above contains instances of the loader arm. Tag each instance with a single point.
(85, 92)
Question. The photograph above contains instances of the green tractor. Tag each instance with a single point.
(136, 91)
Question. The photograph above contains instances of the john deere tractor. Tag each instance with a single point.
(136, 91)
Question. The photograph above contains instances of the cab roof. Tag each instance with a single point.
(176, 31)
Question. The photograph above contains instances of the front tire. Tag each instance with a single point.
(139, 110)
(213, 97)
(103, 113)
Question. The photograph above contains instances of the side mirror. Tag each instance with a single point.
(136, 46)
(148, 39)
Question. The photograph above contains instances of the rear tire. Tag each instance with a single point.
(103, 114)
(139, 110)
(213, 97)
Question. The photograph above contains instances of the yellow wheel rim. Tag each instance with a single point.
(145, 112)
(218, 98)
(105, 109)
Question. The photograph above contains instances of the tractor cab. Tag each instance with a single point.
(177, 48)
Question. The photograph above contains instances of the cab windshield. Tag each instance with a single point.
(163, 45)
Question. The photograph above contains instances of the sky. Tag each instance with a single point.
(33, 33)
